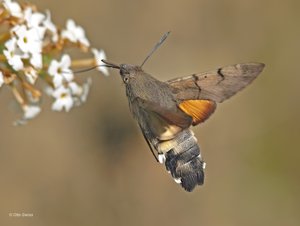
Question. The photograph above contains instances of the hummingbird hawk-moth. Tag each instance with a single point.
(166, 111)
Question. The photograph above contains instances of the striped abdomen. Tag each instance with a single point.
(182, 158)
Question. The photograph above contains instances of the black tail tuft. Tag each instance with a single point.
(185, 164)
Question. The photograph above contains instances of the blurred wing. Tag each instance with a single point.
(158, 123)
(217, 85)
(161, 115)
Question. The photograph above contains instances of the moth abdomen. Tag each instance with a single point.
(183, 159)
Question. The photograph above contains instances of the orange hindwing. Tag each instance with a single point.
(199, 110)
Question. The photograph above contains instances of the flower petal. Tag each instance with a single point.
(1, 78)
(30, 111)
(100, 55)
(36, 60)
(65, 61)
(57, 105)
(14, 60)
(75, 33)
(60, 103)
(49, 25)
(13, 7)
(57, 80)
(53, 67)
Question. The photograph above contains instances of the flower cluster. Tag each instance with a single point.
(33, 48)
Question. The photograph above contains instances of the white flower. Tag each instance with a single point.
(28, 40)
(30, 111)
(31, 74)
(79, 93)
(27, 45)
(60, 70)
(1, 78)
(12, 56)
(63, 99)
(36, 60)
(34, 20)
(48, 24)
(100, 55)
(75, 33)
(13, 8)
(76, 92)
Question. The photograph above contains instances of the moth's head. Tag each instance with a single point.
(127, 71)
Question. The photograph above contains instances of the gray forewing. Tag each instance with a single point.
(217, 85)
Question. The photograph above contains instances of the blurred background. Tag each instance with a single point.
(92, 166)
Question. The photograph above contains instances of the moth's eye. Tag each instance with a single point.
(126, 79)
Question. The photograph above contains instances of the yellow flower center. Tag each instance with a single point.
(63, 95)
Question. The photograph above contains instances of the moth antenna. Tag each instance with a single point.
(160, 42)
